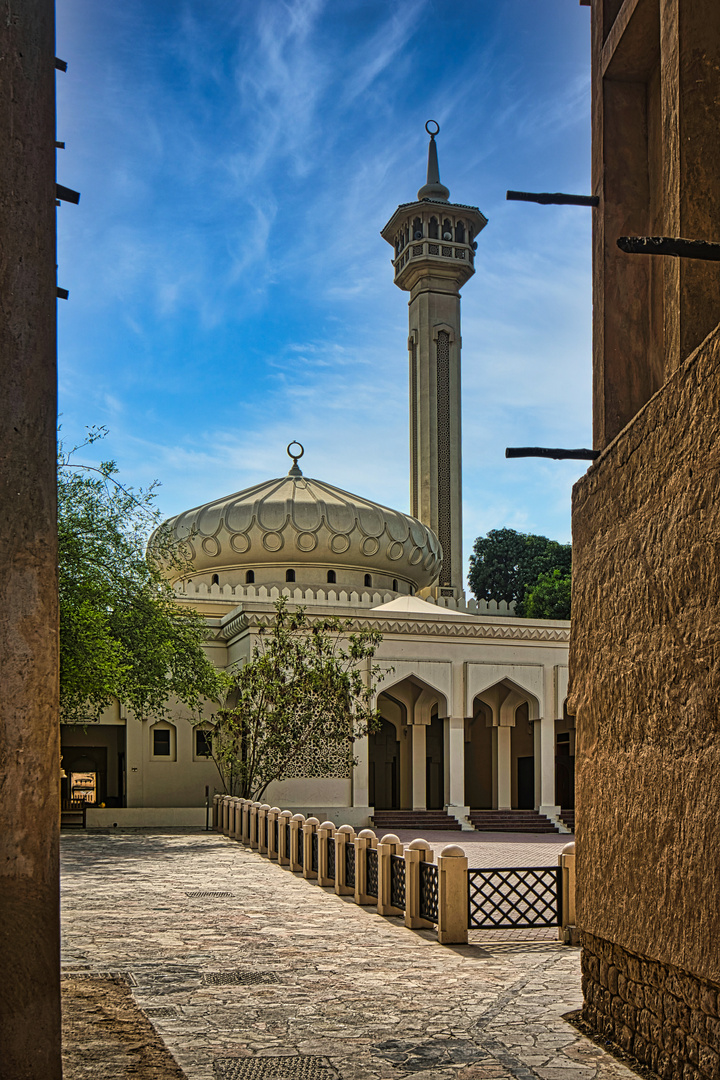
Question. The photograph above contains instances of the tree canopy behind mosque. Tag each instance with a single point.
(298, 705)
(521, 567)
(122, 634)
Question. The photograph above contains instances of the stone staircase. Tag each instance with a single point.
(568, 818)
(427, 820)
(529, 821)
(72, 818)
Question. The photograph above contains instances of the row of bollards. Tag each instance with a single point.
(425, 892)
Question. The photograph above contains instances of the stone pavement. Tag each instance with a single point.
(276, 978)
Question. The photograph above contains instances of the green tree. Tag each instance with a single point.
(505, 564)
(305, 695)
(549, 597)
(122, 633)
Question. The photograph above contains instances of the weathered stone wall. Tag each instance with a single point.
(663, 1016)
(645, 678)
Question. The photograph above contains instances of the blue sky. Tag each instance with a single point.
(229, 288)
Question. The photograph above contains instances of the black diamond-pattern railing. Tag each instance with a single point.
(429, 891)
(331, 857)
(371, 872)
(287, 839)
(276, 834)
(314, 852)
(518, 897)
(349, 864)
(301, 846)
(397, 881)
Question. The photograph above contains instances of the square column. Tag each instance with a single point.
(504, 769)
(361, 773)
(419, 756)
(455, 795)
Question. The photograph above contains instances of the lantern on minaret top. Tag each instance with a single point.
(434, 255)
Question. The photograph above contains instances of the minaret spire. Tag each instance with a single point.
(434, 255)
(433, 189)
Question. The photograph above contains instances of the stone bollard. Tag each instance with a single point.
(226, 815)
(309, 830)
(283, 837)
(326, 836)
(416, 852)
(567, 931)
(235, 818)
(263, 812)
(273, 839)
(216, 812)
(297, 844)
(388, 846)
(245, 821)
(452, 896)
(344, 837)
(254, 808)
(365, 838)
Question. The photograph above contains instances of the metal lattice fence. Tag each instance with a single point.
(314, 851)
(397, 881)
(276, 833)
(287, 839)
(371, 872)
(350, 864)
(518, 897)
(330, 857)
(429, 891)
(300, 847)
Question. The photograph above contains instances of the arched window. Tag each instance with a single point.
(395, 588)
(460, 233)
(331, 577)
(250, 577)
(368, 580)
(215, 580)
(433, 228)
(417, 229)
(447, 229)
(289, 575)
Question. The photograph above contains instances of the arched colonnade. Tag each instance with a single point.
(503, 755)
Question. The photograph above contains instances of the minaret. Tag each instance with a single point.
(434, 242)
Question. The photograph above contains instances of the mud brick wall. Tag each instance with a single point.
(645, 680)
(666, 1018)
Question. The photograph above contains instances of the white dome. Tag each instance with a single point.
(300, 522)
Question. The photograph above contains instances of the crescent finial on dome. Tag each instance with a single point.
(294, 470)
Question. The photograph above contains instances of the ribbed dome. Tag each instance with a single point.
(297, 521)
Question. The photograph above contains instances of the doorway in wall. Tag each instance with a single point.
(525, 783)
(435, 764)
(384, 768)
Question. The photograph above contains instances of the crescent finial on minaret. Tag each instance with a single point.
(433, 189)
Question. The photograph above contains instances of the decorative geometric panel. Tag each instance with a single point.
(447, 251)
(429, 891)
(443, 454)
(504, 899)
(433, 249)
(397, 881)
(334, 759)
(371, 882)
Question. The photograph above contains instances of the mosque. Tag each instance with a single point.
(474, 727)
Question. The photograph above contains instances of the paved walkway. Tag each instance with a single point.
(283, 979)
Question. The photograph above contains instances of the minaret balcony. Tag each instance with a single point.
(431, 256)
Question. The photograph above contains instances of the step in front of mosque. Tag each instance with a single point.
(511, 821)
(429, 820)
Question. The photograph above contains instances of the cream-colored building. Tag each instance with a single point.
(472, 701)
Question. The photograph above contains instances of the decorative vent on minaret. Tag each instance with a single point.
(434, 255)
